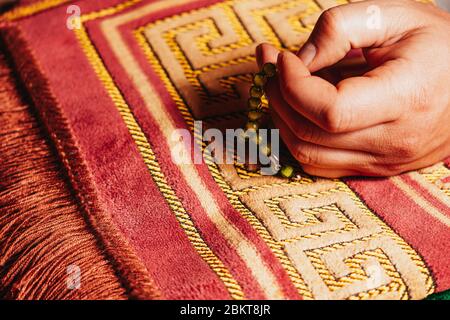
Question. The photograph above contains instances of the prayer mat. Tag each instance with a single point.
(92, 205)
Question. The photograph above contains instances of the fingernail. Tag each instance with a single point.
(281, 57)
(307, 53)
(259, 54)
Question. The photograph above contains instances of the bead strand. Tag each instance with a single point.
(255, 112)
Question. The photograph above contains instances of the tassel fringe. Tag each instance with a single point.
(50, 217)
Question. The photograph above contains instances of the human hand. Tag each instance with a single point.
(392, 119)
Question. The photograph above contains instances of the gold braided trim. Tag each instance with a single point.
(418, 260)
(267, 30)
(28, 10)
(358, 274)
(436, 175)
(244, 39)
(310, 213)
(108, 11)
(152, 164)
(202, 42)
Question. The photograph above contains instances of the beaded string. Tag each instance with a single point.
(255, 113)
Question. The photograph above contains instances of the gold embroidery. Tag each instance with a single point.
(33, 8)
(436, 175)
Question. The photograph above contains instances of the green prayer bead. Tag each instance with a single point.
(256, 92)
(270, 70)
(287, 171)
(254, 115)
(254, 103)
(259, 79)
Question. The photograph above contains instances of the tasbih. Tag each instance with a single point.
(255, 113)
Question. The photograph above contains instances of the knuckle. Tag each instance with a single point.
(309, 134)
(370, 166)
(331, 21)
(385, 166)
(307, 155)
(332, 119)
(375, 145)
(377, 166)
(380, 142)
(391, 169)
(407, 148)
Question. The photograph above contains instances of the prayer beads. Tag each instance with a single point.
(255, 113)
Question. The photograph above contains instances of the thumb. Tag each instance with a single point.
(353, 26)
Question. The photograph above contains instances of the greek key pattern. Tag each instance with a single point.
(211, 51)
(331, 245)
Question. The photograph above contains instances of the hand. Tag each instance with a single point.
(392, 119)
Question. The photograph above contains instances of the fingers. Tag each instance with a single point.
(315, 97)
(356, 25)
(307, 131)
(319, 156)
(343, 108)
(266, 53)
(381, 170)
(311, 96)
(329, 173)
